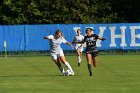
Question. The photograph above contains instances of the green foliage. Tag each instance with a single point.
(68, 11)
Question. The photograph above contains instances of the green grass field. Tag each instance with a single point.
(113, 74)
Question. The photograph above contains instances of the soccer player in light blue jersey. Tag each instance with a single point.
(57, 52)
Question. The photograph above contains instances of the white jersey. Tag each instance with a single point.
(78, 39)
(55, 43)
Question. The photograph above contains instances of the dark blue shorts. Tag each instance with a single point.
(93, 53)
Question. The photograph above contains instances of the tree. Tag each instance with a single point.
(68, 11)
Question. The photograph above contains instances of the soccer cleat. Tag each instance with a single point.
(68, 74)
(72, 74)
(78, 64)
(90, 74)
(63, 72)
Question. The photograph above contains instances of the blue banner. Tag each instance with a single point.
(30, 37)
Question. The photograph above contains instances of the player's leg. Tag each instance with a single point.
(79, 57)
(60, 66)
(95, 61)
(81, 50)
(63, 59)
(57, 62)
(89, 57)
(94, 56)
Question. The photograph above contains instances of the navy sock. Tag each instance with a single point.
(89, 69)
(59, 66)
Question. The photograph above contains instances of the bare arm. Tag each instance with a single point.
(81, 42)
(45, 37)
(68, 43)
(101, 38)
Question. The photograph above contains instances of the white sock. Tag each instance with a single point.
(69, 67)
(79, 59)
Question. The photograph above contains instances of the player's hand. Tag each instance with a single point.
(72, 46)
(73, 42)
(45, 37)
(103, 39)
(79, 47)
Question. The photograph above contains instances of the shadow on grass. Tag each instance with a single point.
(35, 76)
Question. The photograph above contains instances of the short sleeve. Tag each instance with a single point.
(82, 37)
(64, 40)
(50, 37)
(96, 36)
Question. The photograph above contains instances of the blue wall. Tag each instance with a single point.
(30, 37)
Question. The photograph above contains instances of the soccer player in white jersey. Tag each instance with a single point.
(78, 47)
(57, 52)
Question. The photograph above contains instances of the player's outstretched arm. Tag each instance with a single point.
(82, 42)
(50, 37)
(45, 37)
(68, 43)
(101, 38)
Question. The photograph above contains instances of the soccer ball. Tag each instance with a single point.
(69, 73)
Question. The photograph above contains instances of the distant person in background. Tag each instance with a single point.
(91, 49)
(57, 52)
(78, 47)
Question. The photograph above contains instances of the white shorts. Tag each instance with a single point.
(57, 55)
(80, 49)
